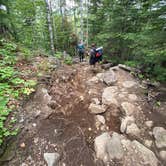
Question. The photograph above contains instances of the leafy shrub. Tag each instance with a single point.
(58, 55)
(11, 86)
(68, 60)
(131, 63)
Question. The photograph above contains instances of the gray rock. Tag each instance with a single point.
(107, 147)
(109, 78)
(125, 122)
(106, 66)
(128, 84)
(126, 68)
(133, 97)
(147, 155)
(109, 96)
(137, 154)
(53, 104)
(148, 143)
(115, 68)
(149, 124)
(100, 118)
(133, 130)
(128, 108)
(95, 101)
(163, 155)
(51, 158)
(93, 80)
(100, 76)
(97, 109)
(160, 136)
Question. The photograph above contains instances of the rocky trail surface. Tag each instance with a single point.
(80, 116)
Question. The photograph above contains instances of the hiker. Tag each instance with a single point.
(92, 60)
(81, 49)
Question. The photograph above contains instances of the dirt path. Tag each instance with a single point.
(57, 120)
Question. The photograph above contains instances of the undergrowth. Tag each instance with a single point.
(12, 86)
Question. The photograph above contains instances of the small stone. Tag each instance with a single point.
(121, 95)
(133, 130)
(97, 109)
(148, 143)
(128, 108)
(150, 133)
(22, 145)
(149, 124)
(125, 122)
(93, 80)
(24, 164)
(90, 129)
(132, 97)
(100, 76)
(103, 128)
(51, 158)
(81, 98)
(55, 131)
(163, 155)
(36, 140)
(96, 101)
(160, 136)
(109, 96)
(100, 118)
(53, 104)
(37, 114)
(34, 125)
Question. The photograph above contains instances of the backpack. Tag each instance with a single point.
(99, 52)
(81, 48)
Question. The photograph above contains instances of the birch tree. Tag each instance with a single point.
(50, 29)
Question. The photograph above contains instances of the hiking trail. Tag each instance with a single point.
(79, 116)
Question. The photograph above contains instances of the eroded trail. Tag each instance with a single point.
(76, 104)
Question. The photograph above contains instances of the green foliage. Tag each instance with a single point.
(11, 87)
(130, 63)
(68, 60)
(58, 55)
(132, 32)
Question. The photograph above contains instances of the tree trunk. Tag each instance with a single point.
(81, 11)
(50, 29)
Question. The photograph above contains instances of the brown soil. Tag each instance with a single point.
(68, 128)
(60, 121)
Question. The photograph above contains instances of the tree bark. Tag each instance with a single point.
(50, 29)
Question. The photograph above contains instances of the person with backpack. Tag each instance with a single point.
(81, 50)
(92, 60)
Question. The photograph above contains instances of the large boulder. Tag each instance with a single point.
(160, 136)
(128, 84)
(147, 155)
(109, 78)
(97, 109)
(108, 147)
(137, 154)
(109, 96)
